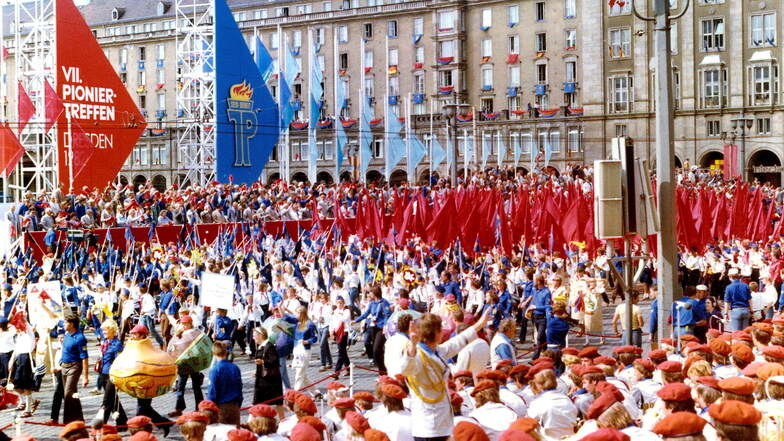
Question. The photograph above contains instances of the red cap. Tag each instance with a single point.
(263, 410)
(751, 369)
(209, 405)
(186, 319)
(344, 403)
(314, 423)
(647, 364)
(515, 435)
(466, 431)
(494, 375)
(466, 373)
(589, 352)
(735, 412)
(679, 424)
(71, 427)
(455, 399)
(599, 405)
(670, 366)
(483, 386)
(142, 435)
(357, 422)
(192, 416)
(657, 353)
(742, 352)
(768, 370)
(591, 370)
(336, 385)
(385, 379)
(605, 387)
(774, 352)
(525, 424)
(290, 395)
(241, 435)
(688, 338)
(607, 361)
(738, 385)
(393, 391)
(503, 363)
(607, 434)
(668, 341)
(708, 381)
(674, 392)
(304, 403)
(304, 432)
(519, 369)
(364, 396)
(765, 327)
(375, 435)
(720, 347)
(139, 421)
(570, 351)
(625, 350)
(140, 329)
(539, 367)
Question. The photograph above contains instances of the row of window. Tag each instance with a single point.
(539, 13)
(143, 155)
(761, 127)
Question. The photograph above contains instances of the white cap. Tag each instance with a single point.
(702, 288)
(733, 272)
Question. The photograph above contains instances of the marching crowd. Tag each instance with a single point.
(483, 347)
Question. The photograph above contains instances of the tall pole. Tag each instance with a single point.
(452, 150)
(742, 150)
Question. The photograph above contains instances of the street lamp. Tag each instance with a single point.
(742, 123)
(449, 111)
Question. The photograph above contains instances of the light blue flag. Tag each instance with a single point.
(263, 60)
(438, 153)
(341, 138)
(396, 147)
(469, 148)
(517, 150)
(416, 154)
(548, 151)
(485, 150)
(365, 138)
(534, 152)
(316, 91)
(501, 150)
(293, 67)
(286, 110)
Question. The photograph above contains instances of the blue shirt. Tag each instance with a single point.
(166, 298)
(737, 294)
(223, 328)
(452, 287)
(557, 328)
(112, 351)
(377, 311)
(225, 383)
(505, 303)
(74, 347)
(700, 312)
(542, 301)
(654, 325)
(505, 351)
(307, 336)
(685, 315)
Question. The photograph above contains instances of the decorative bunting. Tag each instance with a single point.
(548, 113)
(512, 58)
(445, 90)
(575, 111)
(348, 123)
(445, 60)
(464, 118)
(298, 125)
(325, 123)
(491, 116)
(376, 122)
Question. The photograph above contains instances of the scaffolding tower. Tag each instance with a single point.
(34, 63)
(195, 31)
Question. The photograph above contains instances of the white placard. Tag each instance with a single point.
(45, 293)
(217, 290)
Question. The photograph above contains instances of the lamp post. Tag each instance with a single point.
(740, 124)
(449, 111)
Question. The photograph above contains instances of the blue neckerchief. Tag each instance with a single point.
(431, 352)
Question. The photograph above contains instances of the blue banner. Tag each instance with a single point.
(247, 115)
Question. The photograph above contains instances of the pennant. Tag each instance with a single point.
(25, 108)
(11, 151)
(54, 105)
(438, 154)
(82, 149)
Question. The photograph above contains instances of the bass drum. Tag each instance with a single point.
(196, 357)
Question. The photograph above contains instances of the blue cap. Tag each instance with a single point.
(8, 286)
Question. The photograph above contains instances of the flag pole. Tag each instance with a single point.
(387, 167)
(358, 173)
(282, 156)
(411, 171)
(70, 154)
(335, 98)
(430, 147)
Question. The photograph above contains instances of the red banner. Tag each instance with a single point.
(94, 99)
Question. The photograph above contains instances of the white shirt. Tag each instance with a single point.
(397, 425)
(394, 351)
(286, 424)
(148, 305)
(555, 412)
(513, 401)
(474, 357)
(640, 434)
(218, 432)
(494, 418)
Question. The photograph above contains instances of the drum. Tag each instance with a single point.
(142, 370)
(196, 357)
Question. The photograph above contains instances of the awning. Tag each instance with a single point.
(710, 60)
(758, 56)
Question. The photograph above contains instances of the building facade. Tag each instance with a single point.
(545, 83)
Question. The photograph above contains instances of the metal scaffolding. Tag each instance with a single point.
(34, 61)
(196, 90)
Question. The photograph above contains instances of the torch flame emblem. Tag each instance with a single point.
(241, 92)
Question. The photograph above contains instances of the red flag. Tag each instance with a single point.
(25, 108)
(54, 105)
(506, 231)
(443, 229)
(11, 151)
(5, 53)
(82, 148)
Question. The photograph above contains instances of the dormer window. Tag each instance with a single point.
(117, 13)
(163, 7)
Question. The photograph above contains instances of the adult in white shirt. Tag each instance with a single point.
(339, 326)
(149, 310)
(555, 411)
(473, 357)
(490, 412)
(396, 345)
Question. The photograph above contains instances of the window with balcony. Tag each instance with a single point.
(419, 26)
(445, 78)
(714, 88)
(446, 48)
(419, 83)
(514, 76)
(486, 104)
(514, 44)
(571, 39)
(343, 34)
(764, 81)
(539, 11)
(713, 34)
(325, 150)
(513, 104)
(621, 93)
(378, 147)
(541, 73)
(369, 87)
(161, 78)
(555, 140)
(394, 86)
(326, 6)
(343, 61)
(763, 29)
(513, 11)
(541, 42)
(674, 37)
(487, 78)
(123, 57)
(160, 154)
(487, 48)
(713, 127)
(392, 59)
(763, 126)
(487, 18)
(282, 12)
(419, 55)
(446, 21)
(620, 8)
(368, 59)
(620, 42)
(570, 8)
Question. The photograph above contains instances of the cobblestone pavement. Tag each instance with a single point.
(362, 380)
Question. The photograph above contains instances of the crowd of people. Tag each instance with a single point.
(481, 347)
